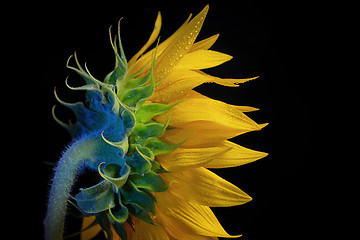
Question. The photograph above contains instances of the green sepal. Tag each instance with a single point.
(149, 180)
(123, 145)
(96, 199)
(121, 64)
(129, 120)
(145, 152)
(138, 160)
(149, 110)
(104, 222)
(86, 120)
(158, 146)
(87, 87)
(132, 83)
(142, 132)
(157, 168)
(88, 79)
(137, 96)
(115, 174)
(119, 213)
(132, 195)
(141, 214)
(115, 76)
(120, 230)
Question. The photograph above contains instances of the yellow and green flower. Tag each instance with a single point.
(151, 140)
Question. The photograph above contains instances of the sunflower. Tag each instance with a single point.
(150, 139)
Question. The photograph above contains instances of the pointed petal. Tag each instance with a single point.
(149, 232)
(152, 38)
(177, 230)
(180, 81)
(228, 82)
(236, 156)
(206, 188)
(202, 59)
(91, 232)
(176, 85)
(180, 46)
(245, 108)
(190, 215)
(201, 133)
(184, 158)
(144, 59)
(194, 108)
(204, 44)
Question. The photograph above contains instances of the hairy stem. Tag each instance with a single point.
(65, 174)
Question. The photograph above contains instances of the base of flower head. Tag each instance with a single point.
(118, 118)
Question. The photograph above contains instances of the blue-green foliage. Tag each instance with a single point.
(115, 113)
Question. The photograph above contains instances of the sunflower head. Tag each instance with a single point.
(118, 114)
(150, 138)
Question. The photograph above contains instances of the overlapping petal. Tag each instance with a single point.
(192, 217)
(236, 156)
(195, 107)
(184, 158)
(209, 190)
(202, 125)
(202, 59)
(180, 81)
(205, 133)
(151, 232)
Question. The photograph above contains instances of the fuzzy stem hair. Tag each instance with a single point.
(64, 178)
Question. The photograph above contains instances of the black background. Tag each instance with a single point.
(268, 39)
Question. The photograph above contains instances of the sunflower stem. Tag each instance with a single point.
(64, 178)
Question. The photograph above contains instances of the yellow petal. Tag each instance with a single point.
(183, 158)
(177, 84)
(235, 156)
(180, 81)
(149, 232)
(228, 82)
(206, 188)
(152, 38)
(195, 108)
(200, 133)
(180, 46)
(202, 59)
(204, 44)
(91, 232)
(145, 59)
(245, 108)
(190, 216)
(178, 230)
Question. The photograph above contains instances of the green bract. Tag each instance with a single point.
(124, 143)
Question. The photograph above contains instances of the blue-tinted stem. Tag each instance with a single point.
(65, 174)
